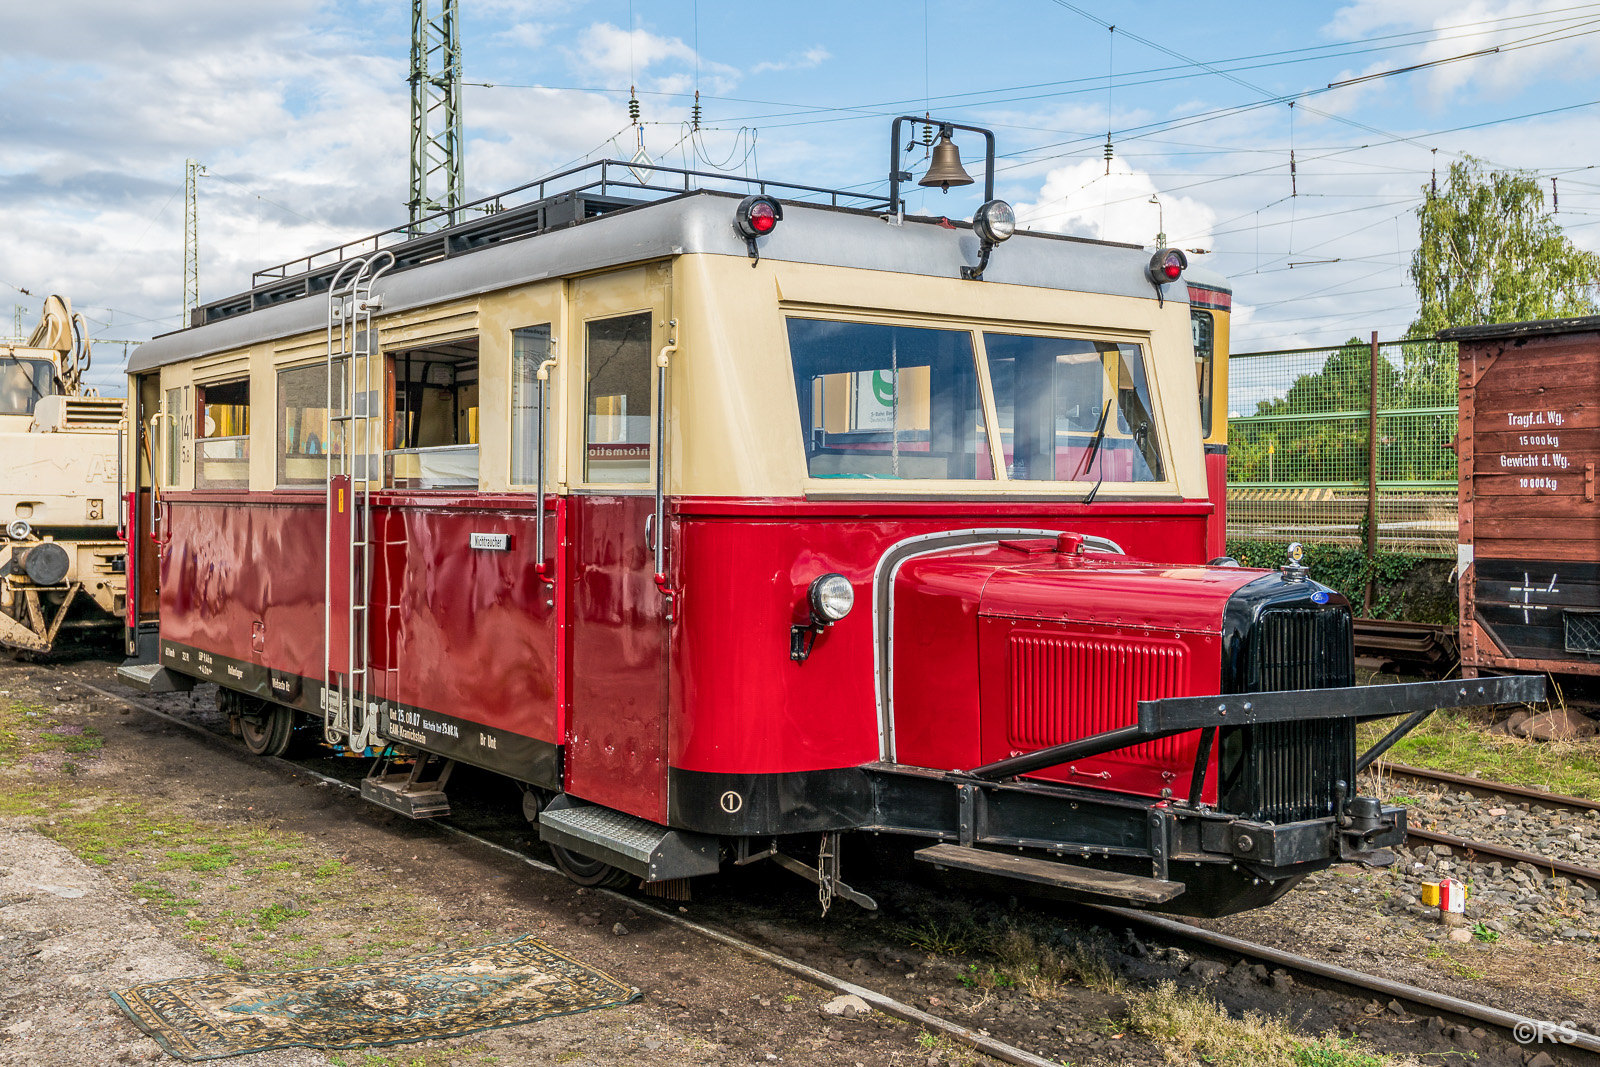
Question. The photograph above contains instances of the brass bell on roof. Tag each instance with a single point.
(945, 170)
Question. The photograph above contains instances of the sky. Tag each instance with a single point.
(1302, 195)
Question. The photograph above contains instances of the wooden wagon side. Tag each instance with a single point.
(1529, 550)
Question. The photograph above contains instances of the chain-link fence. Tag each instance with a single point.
(1299, 464)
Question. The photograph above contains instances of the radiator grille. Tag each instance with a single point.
(92, 413)
(1065, 687)
(1287, 771)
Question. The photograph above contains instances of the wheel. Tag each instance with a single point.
(267, 729)
(595, 874)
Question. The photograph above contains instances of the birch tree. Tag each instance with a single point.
(1490, 253)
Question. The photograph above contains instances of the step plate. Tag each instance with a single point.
(649, 850)
(423, 804)
(1088, 880)
(154, 678)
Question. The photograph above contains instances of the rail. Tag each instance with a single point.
(982, 1041)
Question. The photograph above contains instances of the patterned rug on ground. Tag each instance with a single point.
(445, 994)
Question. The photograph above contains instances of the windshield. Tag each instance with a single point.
(880, 401)
(1073, 410)
(22, 383)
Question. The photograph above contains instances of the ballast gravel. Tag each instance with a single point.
(1537, 903)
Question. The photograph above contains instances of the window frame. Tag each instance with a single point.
(580, 386)
(552, 392)
(280, 427)
(195, 418)
(868, 317)
(1001, 484)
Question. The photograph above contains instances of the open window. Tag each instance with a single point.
(222, 425)
(433, 439)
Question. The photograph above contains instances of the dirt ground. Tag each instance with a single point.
(196, 859)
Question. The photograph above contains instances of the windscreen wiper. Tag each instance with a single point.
(1094, 444)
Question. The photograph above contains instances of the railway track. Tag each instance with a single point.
(1490, 849)
(1415, 997)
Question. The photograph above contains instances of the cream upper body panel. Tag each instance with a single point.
(734, 425)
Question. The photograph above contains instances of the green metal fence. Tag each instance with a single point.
(1299, 446)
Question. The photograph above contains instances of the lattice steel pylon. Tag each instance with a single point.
(437, 148)
(192, 169)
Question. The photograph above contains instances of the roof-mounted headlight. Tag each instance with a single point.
(994, 222)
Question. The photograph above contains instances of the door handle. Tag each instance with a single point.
(650, 532)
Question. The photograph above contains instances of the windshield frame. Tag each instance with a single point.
(1001, 484)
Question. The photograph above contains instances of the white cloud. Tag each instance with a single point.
(1083, 199)
(811, 57)
(1536, 41)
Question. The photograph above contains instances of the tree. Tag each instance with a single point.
(1489, 253)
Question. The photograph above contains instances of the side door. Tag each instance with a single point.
(616, 732)
(142, 445)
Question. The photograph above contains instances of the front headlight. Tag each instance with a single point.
(994, 222)
(831, 597)
(19, 530)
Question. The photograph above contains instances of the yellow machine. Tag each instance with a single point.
(58, 485)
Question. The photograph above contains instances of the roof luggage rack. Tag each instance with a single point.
(561, 199)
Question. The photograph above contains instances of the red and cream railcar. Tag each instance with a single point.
(729, 525)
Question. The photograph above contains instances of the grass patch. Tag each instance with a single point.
(1192, 1027)
(34, 730)
(945, 937)
(273, 916)
(1452, 741)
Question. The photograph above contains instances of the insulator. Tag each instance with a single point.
(927, 135)
(1109, 152)
(695, 114)
(633, 107)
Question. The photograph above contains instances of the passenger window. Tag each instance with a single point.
(1204, 328)
(303, 439)
(617, 400)
(1055, 399)
(897, 402)
(223, 427)
(530, 347)
(435, 426)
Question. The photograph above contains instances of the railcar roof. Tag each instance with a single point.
(1495, 330)
(694, 222)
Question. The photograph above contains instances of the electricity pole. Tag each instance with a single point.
(192, 169)
(437, 148)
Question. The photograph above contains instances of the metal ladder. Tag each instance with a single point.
(355, 464)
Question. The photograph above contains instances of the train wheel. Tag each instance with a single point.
(596, 874)
(267, 730)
